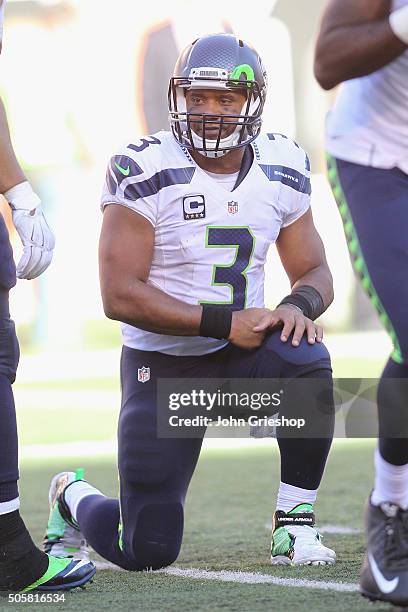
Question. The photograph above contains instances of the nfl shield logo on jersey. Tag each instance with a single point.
(232, 207)
(143, 374)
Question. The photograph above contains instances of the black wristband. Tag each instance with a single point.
(215, 321)
(308, 299)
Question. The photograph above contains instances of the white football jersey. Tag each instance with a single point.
(369, 122)
(210, 243)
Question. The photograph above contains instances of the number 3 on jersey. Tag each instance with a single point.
(232, 275)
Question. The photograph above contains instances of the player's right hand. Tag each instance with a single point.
(242, 328)
(38, 242)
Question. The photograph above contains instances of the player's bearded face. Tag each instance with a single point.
(216, 111)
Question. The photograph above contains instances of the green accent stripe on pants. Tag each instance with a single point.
(357, 257)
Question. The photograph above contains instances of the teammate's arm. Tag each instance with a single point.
(355, 39)
(302, 254)
(10, 171)
(28, 217)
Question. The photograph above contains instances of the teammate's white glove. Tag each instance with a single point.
(399, 23)
(32, 227)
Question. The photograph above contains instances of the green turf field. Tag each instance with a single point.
(67, 411)
(230, 502)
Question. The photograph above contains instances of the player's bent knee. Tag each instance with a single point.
(304, 354)
(9, 349)
(155, 540)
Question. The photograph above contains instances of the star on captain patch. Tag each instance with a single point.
(232, 207)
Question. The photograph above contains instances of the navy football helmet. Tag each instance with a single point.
(217, 61)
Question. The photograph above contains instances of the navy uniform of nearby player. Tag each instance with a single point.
(365, 44)
(22, 565)
(188, 219)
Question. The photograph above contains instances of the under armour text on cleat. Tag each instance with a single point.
(295, 541)
(384, 576)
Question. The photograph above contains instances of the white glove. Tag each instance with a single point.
(32, 227)
(399, 23)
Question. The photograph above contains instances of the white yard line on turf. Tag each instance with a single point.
(245, 578)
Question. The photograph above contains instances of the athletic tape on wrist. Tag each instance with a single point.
(308, 300)
(215, 322)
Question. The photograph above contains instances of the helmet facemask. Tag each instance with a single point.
(185, 124)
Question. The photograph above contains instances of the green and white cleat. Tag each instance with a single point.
(63, 537)
(295, 541)
(63, 575)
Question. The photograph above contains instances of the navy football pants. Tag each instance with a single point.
(155, 472)
(373, 204)
(9, 355)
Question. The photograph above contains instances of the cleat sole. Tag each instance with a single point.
(282, 560)
(72, 585)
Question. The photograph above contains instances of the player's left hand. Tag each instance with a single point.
(293, 320)
(38, 241)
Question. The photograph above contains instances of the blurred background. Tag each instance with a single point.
(81, 77)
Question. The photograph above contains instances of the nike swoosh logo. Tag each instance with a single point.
(124, 171)
(385, 586)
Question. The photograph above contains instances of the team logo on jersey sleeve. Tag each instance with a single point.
(121, 167)
(143, 374)
(194, 207)
(232, 207)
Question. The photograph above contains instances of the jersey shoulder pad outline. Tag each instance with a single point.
(293, 154)
(133, 159)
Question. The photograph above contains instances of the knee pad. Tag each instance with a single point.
(9, 349)
(305, 354)
(154, 540)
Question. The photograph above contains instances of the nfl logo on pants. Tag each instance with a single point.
(143, 374)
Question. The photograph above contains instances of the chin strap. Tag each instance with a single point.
(211, 152)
